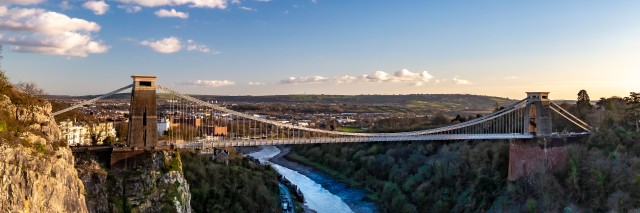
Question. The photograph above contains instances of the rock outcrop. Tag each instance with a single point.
(34, 182)
(36, 116)
(36, 175)
(159, 186)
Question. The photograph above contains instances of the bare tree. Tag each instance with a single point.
(30, 88)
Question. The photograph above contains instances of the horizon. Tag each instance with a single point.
(265, 47)
(128, 93)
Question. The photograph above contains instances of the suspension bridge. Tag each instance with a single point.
(200, 124)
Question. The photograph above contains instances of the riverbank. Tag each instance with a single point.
(343, 187)
(247, 150)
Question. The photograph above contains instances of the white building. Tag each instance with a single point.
(79, 133)
(73, 132)
(163, 126)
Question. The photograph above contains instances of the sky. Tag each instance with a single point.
(267, 47)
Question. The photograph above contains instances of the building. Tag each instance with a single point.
(83, 134)
(72, 132)
(214, 130)
(163, 126)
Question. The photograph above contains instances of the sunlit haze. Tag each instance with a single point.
(264, 47)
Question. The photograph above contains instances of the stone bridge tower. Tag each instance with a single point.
(537, 116)
(143, 119)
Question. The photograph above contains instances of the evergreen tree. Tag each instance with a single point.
(634, 108)
(583, 106)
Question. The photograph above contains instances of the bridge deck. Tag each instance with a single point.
(226, 142)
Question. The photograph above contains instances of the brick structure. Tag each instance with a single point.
(129, 159)
(143, 131)
(528, 157)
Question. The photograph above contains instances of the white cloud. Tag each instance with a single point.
(235, 1)
(404, 75)
(171, 13)
(98, 7)
(40, 31)
(314, 1)
(207, 83)
(166, 45)
(66, 44)
(130, 8)
(174, 44)
(510, 77)
(41, 21)
(304, 80)
(20, 2)
(192, 46)
(247, 8)
(263, 0)
(256, 83)
(456, 80)
(221, 4)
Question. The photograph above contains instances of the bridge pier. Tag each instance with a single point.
(528, 157)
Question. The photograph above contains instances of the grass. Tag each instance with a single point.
(349, 129)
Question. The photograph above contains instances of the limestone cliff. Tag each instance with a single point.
(158, 186)
(36, 171)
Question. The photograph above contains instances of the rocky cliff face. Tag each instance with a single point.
(35, 174)
(41, 127)
(159, 186)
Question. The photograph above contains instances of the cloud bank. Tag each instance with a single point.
(46, 32)
(220, 4)
(207, 83)
(404, 75)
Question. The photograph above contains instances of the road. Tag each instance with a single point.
(285, 198)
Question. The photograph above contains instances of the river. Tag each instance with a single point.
(317, 197)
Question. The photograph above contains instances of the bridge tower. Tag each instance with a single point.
(537, 117)
(143, 119)
(543, 152)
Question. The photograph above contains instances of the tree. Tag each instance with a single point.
(440, 119)
(459, 119)
(584, 104)
(30, 88)
(1, 60)
(4, 79)
(634, 108)
(122, 131)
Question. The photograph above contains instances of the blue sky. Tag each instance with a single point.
(248, 47)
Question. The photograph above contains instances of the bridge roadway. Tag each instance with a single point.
(226, 142)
